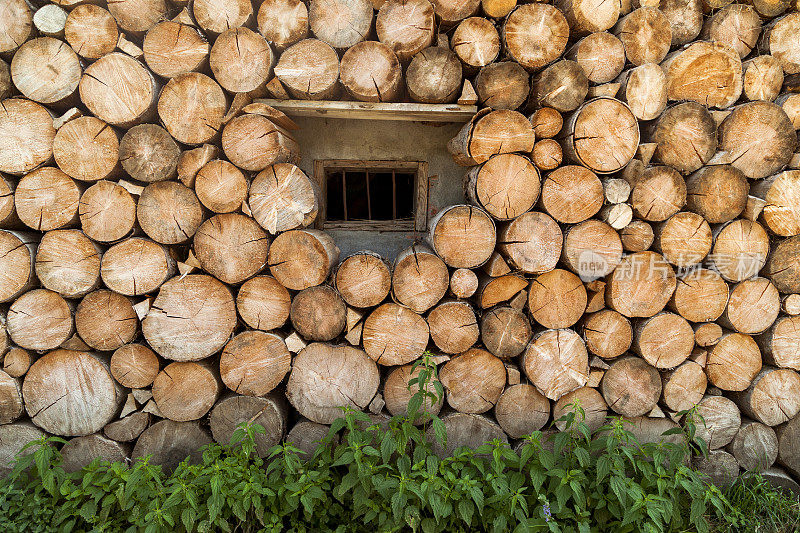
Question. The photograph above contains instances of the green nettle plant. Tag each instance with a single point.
(367, 478)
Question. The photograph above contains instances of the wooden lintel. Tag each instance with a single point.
(374, 111)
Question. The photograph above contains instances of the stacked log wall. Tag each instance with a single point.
(628, 239)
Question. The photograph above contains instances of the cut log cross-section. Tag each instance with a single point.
(685, 137)
(755, 446)
(269, 412)
(717, 192)
(759, 137)
(453, 326)
(91, 31)
(172, 48)
(309, 70)
(600, 54)
(506, 186)
(47, 199)
(419, 279)
(119, 90)
(505, 332)
(134, 366)
(254, 363)
(562, 86)
(463, 283)
(170, 442)
(592, 249)
(263, 303)
(46, 71)
(16, 26)
(406, 27)
(664, 341)
(607, 333)
(773, 397)
(325, 378)
(87, 149)
(641, 285)
(463, 236)
(592, 141)
(740, 250)
(717, 83)
(40, 320)
(241, 60)
(168, 212)
(215, 16)
(221, 187)
(185, 391)
(340, 23)
(557, 299)
(721, 421)
(476, 42)
(398, 393)
(370, 72)
(254, 142)
(556, 362)
(106, 320)
(71, 393)
(646, 35)
(283, 22)
(191, 107)
(782, 268)
(363, 279)
(434, 76)
(318, 313)
(595, 409)
(631, 387)
(489, 133)
(685, 239)
(736, 25)
(26, 135)
(473, 381)
(733, 362)
(282, 197)
(16, 265)
(136, 266)
(644, 89)
(521, 410)
(778, 344)
(68, 262)
(683, 387)
(780, 192)
(394, 335)
(231, 247)
(535, 35)
(191, 318)
(148, 153)
(302, 258)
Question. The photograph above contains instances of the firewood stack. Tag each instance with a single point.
(629, 238)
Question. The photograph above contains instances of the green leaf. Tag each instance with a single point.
(440, 430)
(414, 405)
(465, 511)
(388, 447)
(500, 523)
(188, 518)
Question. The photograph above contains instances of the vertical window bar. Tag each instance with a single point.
(344, 193)
(394, 197)
(369, 199)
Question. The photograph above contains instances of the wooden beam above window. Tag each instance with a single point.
(374, 111)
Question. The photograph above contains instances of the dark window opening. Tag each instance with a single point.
(378, 195)
(369, 195)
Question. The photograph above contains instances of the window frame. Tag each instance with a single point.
(417, 223)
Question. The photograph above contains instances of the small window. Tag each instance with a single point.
(372, 195)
